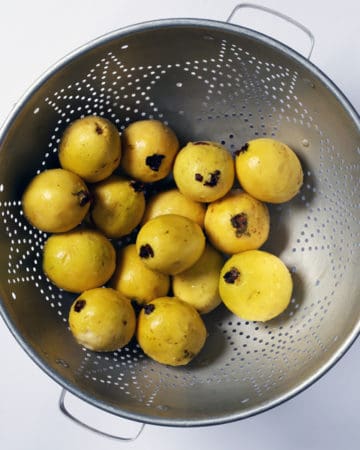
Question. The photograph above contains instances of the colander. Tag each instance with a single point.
(216, 81)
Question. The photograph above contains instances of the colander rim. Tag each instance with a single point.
(130, 30)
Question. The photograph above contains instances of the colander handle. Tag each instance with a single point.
(277, 14)
(75, 419)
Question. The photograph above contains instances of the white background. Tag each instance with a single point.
(35, 34)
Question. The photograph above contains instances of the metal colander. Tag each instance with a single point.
(215, 81)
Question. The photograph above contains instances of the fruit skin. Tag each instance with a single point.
(237, 222)
(255, 285)
(102, 320)
(170, 243)
(78, 260)
(118, 206)
(149, 149)
(90, 147)
(269, 170)
(174, 202)
(135, 280)
(199, 285)
(170, 331)
(56, 201)
(204, 171)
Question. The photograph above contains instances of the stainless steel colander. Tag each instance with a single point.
(215, 81)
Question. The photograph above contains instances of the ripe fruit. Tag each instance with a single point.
(237, 222)
(149, 149)
(118, 206)
(199, 285)
(90, 147)
(204, 171)
(174, 202)
(170, 331)
(255, 285)
(102, 320)
(170, 244)
(78, 260)
(135, 280)
(269, 170)
(56, 200)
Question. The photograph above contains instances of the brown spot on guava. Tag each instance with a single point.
(198, 177)
(243, 149)
(83, 196)
(213, 178)
(231, 276)
(154, 161)
(79, 305)
(188, 354)
(240, 223)
(98, 129)
(146, 251)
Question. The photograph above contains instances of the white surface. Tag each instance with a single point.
(35, 34)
